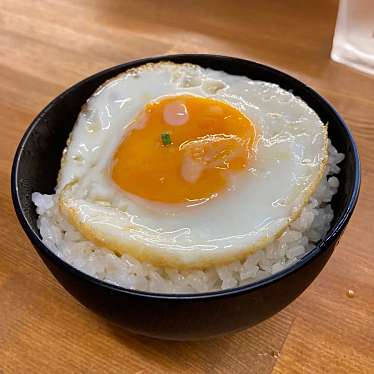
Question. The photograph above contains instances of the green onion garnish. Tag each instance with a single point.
(166, 139)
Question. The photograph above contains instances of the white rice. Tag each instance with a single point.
(314, 222)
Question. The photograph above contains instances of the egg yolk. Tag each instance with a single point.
(182, 148)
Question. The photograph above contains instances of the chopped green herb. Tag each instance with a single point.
(166, 139)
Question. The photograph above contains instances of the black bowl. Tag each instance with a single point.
(173, 316)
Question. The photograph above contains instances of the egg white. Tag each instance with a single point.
(291, 154)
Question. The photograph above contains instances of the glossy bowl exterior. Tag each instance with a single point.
(180, 317)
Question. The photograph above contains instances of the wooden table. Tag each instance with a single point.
(46, 46)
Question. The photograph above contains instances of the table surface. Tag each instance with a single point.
(45, 47)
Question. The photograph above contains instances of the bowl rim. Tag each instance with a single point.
(320, 247)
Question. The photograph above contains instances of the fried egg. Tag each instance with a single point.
(187, 167)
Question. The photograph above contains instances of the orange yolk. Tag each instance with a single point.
(181, 148)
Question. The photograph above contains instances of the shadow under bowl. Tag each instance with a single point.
(176, 316)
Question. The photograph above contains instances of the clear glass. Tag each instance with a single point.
(354, 35)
